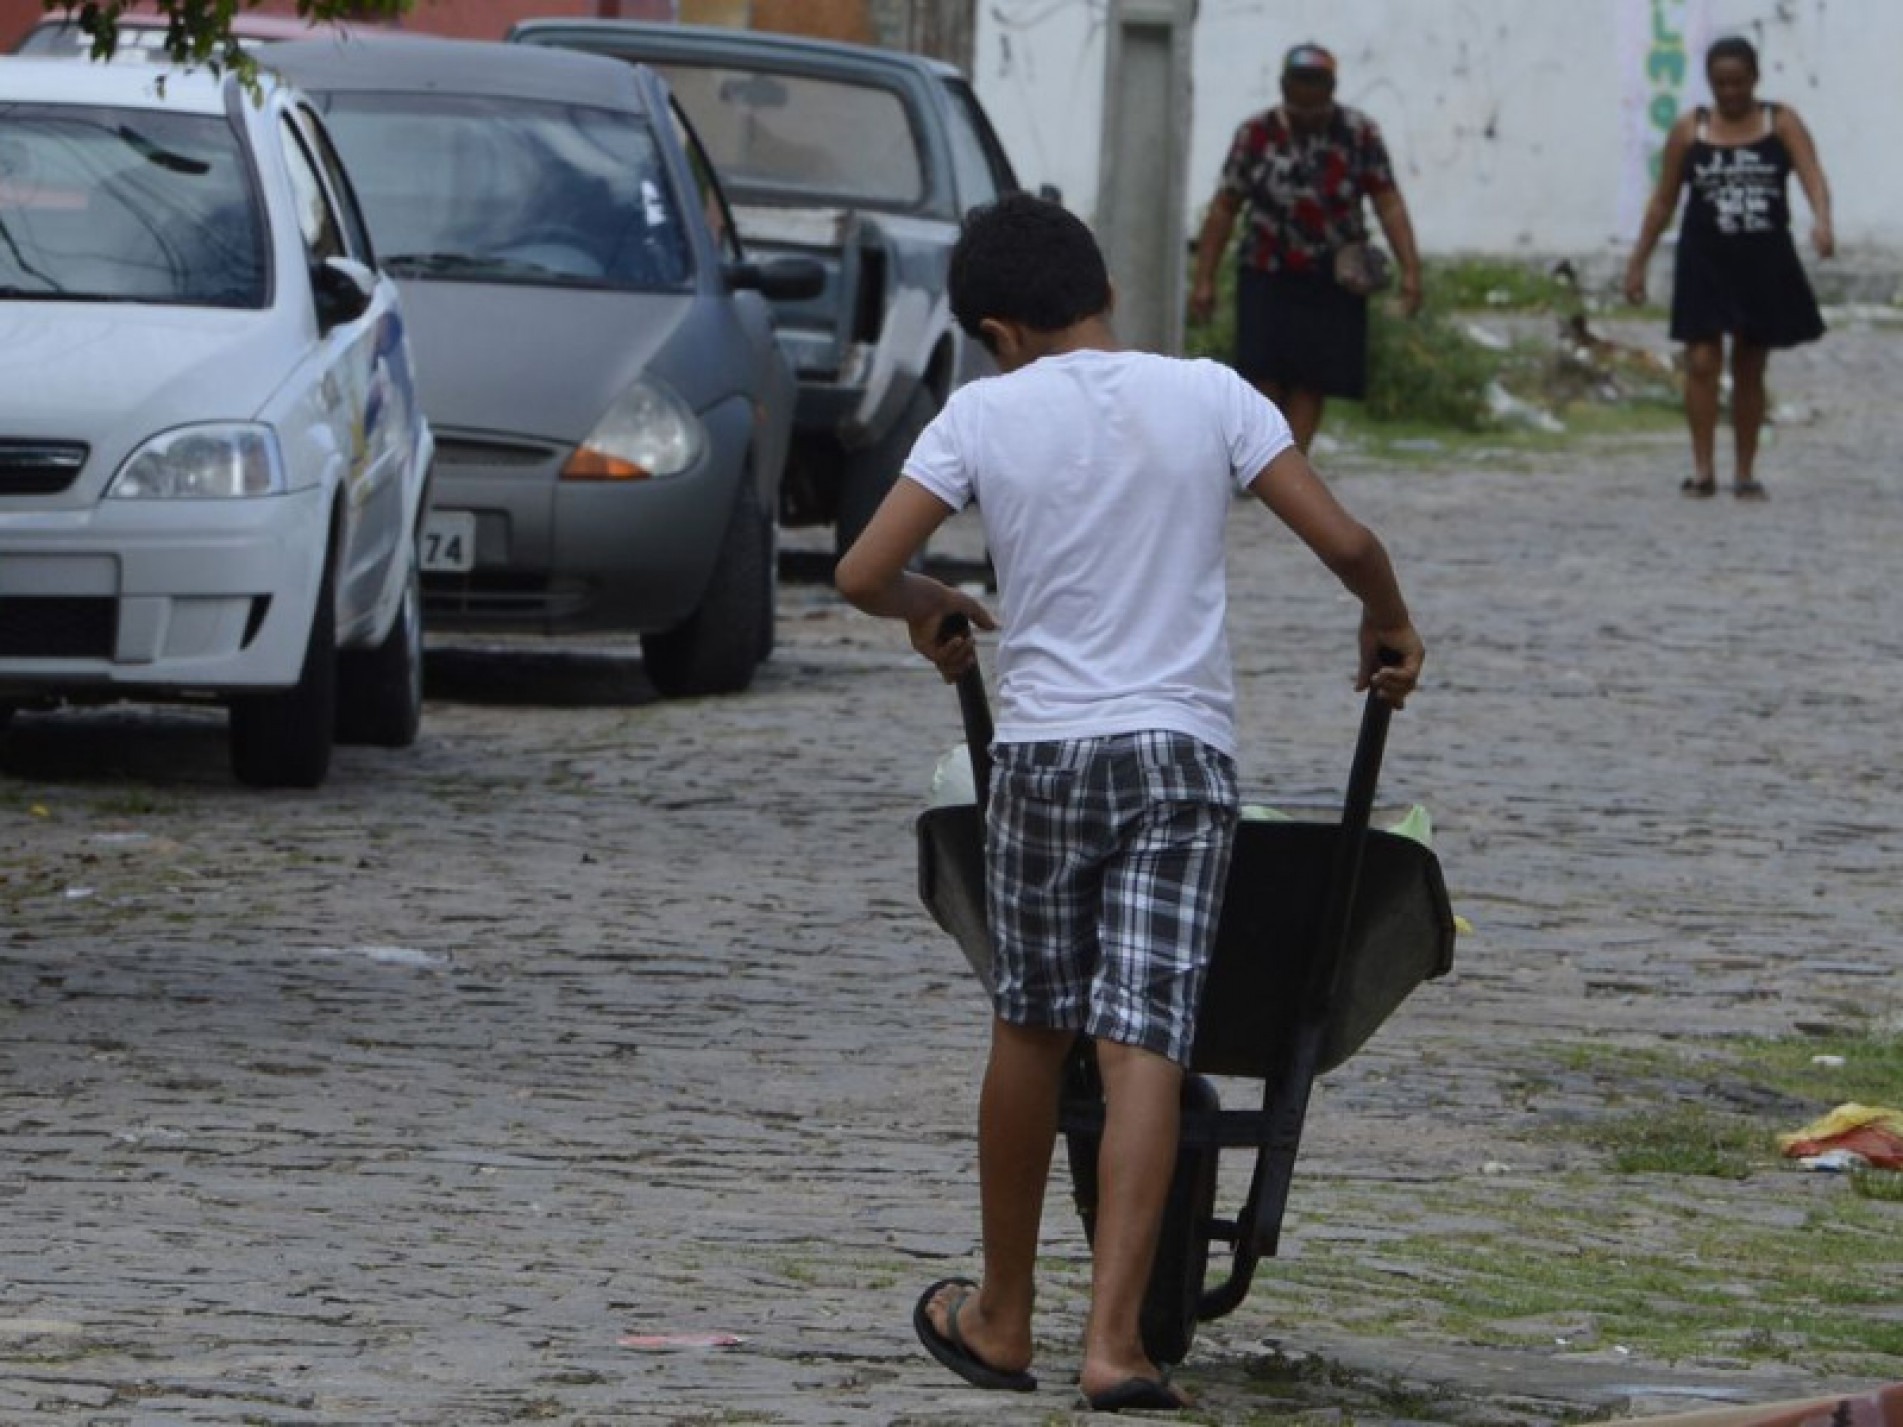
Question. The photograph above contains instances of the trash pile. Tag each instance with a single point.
(1581, 366)
(1851, 1137)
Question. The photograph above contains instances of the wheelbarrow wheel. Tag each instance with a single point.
(1182, 1252)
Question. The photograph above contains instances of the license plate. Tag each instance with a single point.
(449, 541)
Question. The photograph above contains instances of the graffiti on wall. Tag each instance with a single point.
(1661, 47)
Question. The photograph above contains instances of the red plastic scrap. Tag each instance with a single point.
(1883, 1148)
(1874, 1132)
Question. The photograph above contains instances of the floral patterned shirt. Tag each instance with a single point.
(1302, 193)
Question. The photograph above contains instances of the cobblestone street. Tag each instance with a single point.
(595, 1062)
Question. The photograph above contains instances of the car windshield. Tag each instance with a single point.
(793, 136)
(126, 205)
(473, 189)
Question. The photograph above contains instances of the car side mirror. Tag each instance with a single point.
(779, 279)
(344, 289)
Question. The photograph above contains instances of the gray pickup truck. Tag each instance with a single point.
(864, 159)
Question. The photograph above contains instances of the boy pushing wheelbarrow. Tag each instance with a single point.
(1104, 479)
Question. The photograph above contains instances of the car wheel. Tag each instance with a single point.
(283, 740)
(716, 650)
(869, 473)
(380, 690)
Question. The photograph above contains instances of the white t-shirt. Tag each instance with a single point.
(1104, 480)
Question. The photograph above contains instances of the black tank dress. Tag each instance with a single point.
(1737, 270)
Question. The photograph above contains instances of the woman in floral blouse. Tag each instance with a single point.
(1299, 173)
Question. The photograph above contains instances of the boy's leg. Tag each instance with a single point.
(1162, 901)
(1017, 1127)
(1041, 887)
(1134, 1166)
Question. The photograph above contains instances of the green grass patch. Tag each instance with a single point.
(1683, 1236)
(1718, 1110)
(1497, 285)
(1668, 1276)
(1687, 1139)
(1871, 1069)
(1881, 1184)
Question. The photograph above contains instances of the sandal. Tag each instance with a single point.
(1749, 490)
(1691, 485)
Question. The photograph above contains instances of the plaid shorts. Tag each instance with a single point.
(1106, 861)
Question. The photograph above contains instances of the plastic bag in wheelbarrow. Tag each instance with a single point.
(1401, 933)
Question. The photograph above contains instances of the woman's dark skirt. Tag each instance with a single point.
(1302, 331)
(1752, 287)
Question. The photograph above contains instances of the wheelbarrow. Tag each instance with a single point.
(1326, 928)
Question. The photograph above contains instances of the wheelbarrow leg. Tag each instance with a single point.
(1258, 1228)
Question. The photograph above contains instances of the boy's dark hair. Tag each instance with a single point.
(1733, 47)
(1026, 259)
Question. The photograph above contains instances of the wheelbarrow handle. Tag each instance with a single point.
(1285, 1097)
(975, 708)
(1357, 810)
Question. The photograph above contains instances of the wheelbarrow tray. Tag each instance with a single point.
(1400, 933)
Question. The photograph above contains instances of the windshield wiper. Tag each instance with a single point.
(427, 264)
(15, 293)
(499, 269)
(164, 158)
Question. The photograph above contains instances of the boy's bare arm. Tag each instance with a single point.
(872, 575)
(1289, 487)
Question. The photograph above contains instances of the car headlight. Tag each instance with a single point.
(648, 432)
(203, 462)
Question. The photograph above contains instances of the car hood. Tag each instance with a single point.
(96, 371)
(542, 362)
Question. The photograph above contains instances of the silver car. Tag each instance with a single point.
(212, 463)
(596, 353)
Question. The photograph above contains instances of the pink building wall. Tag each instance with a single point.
(489, 19)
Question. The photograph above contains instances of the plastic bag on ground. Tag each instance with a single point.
(1873, 1131)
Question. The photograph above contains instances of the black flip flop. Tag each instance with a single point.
(1749, 490)
(949, 1347)
(1691, 485)
(1136, 1394)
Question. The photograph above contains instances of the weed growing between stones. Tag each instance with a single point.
(1878, 1184)
(1683, 1140)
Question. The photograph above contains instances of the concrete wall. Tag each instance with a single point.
(1515, 125)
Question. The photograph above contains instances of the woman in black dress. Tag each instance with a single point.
(1737, 271)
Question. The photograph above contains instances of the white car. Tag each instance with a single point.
(213, 466)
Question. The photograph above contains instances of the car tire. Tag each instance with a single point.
(869, 473)
(284, 739)
(380, 690)
(717, 649)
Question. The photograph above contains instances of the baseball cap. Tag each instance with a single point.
(1309, 59)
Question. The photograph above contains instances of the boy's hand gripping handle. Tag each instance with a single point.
(975, 708)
